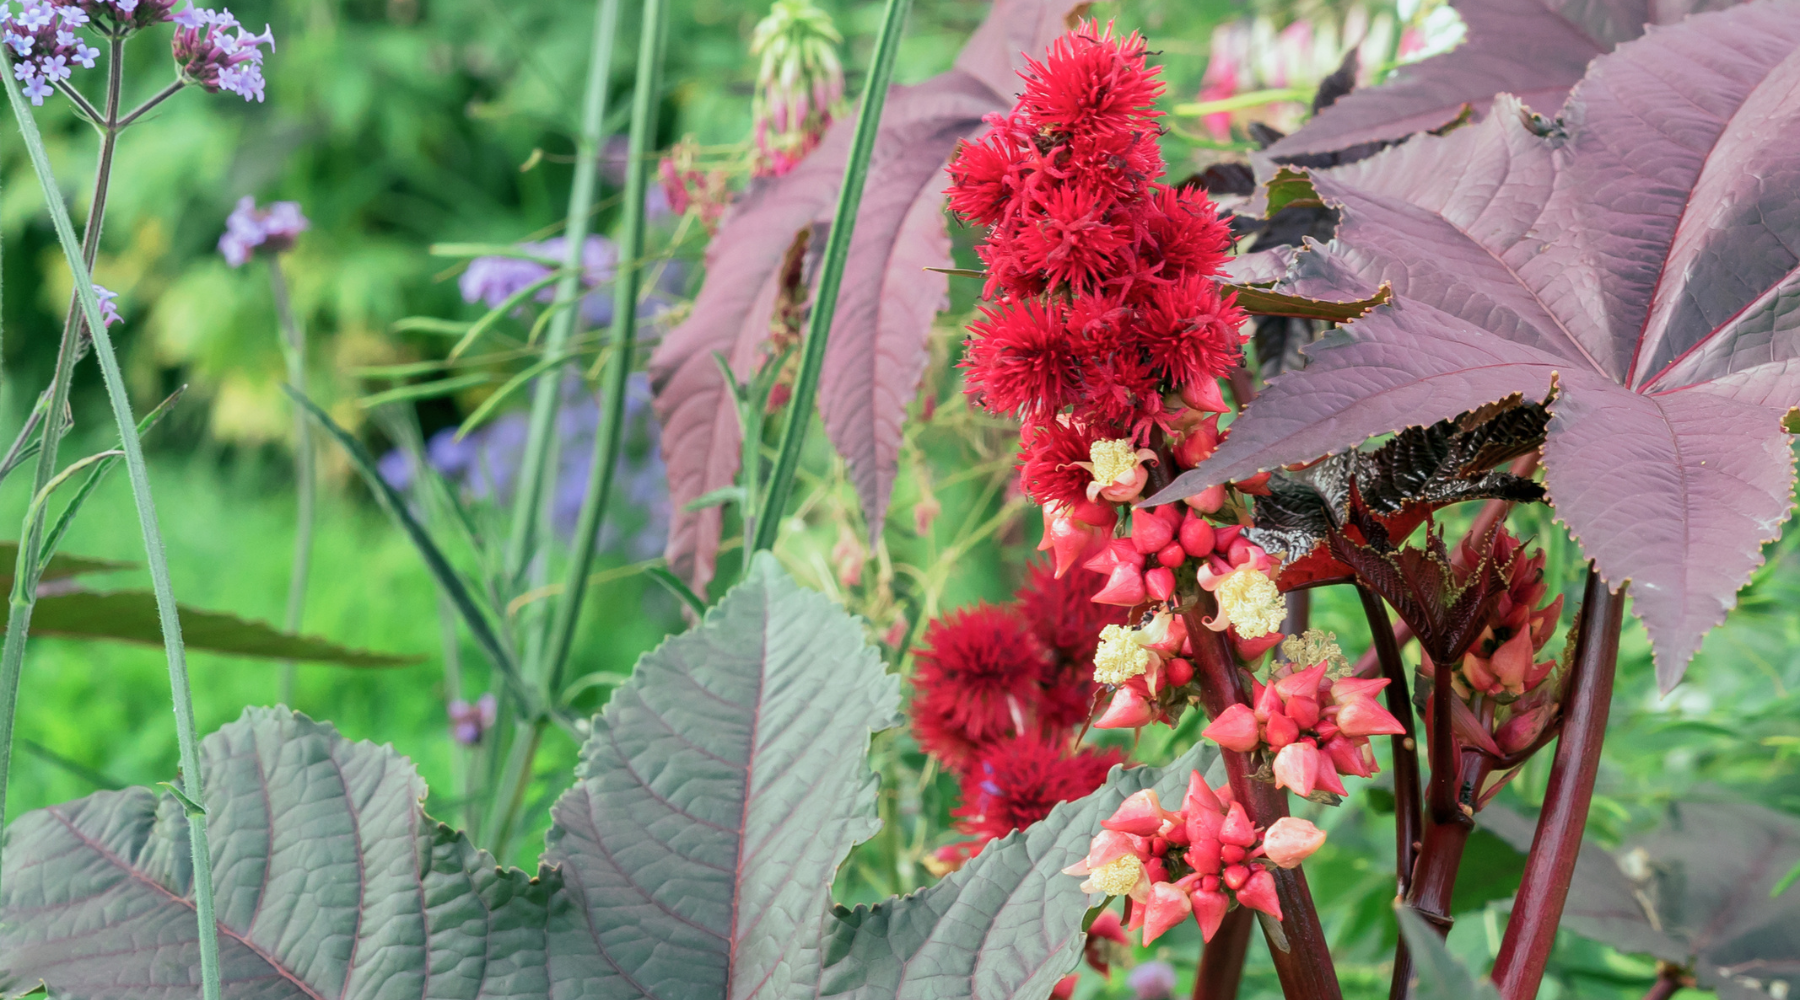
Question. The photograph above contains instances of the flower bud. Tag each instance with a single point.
(1150, 532)
(1290, 841)
(1297, 766)
(1168, 906)
(1140, 814)
(1258, 893)
(1128, 710)
(1159, 583)
(1235, 729)
(1210, 906)
(1197, 536)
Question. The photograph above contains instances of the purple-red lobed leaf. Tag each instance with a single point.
(1643, 261)
(877, 350)
(1534, 49)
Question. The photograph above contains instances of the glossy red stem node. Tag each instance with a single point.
(1537, 909)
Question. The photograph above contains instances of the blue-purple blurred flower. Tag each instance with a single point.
(42, 42)
(485, 466)
(493, 280)
(468, 722)
(271, 230)
(210, 55)
(1153, 981)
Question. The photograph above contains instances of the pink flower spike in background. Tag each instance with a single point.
(270, 230)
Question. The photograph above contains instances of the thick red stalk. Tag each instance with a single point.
(1537, 909)
(1222, 959)
(1303, 959)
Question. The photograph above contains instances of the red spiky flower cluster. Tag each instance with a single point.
(999, 694)
(1102, 302)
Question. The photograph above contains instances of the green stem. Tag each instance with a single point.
(837, 248)
(608, 435)
(294, 349)
(510, 792)
(25, 579)
(155, 556)
(535, 466)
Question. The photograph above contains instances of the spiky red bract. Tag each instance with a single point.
(1016, 783)
(1021, 361)
(1091, 81)
(1047, 456)
(1189, 332)
(1063, 614)
(1186, 235)
(1075, 236)
(975, 683)
(987, 177)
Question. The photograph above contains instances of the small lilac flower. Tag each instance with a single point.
(468, 722)
(271, 230)
(44, 45)
(209, 55)
(493, 280)
(109, 310)
(1153, 981)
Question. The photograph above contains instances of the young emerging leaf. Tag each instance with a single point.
(889, 296)
(1694, 892)
(1536, 49)
(1637, 273)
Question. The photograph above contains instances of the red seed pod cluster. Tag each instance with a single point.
(1315, 727)
(1198, 861)
(1102, 302)
(999, 693)
(1506, 699)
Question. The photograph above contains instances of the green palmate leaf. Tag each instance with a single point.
(1007, 924)
(723, 786)
(130, 616)
(721, 789)
(330, 878)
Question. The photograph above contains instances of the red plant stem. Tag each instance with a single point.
(1408, 824)
(1304, 965)
(1222, 958)
(1537, 908)
(1669, 981)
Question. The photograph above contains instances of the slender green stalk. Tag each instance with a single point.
(837, 248)
(535, 466)
(155, 556)
(293, 344)
(624, 338)
(24, 595)
(503, 807)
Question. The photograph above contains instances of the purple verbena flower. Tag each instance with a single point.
(211, 55)
(109, 310)
(493, 280)
(468, 722)
(271, 230)
(121, 17)
(43, 44)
